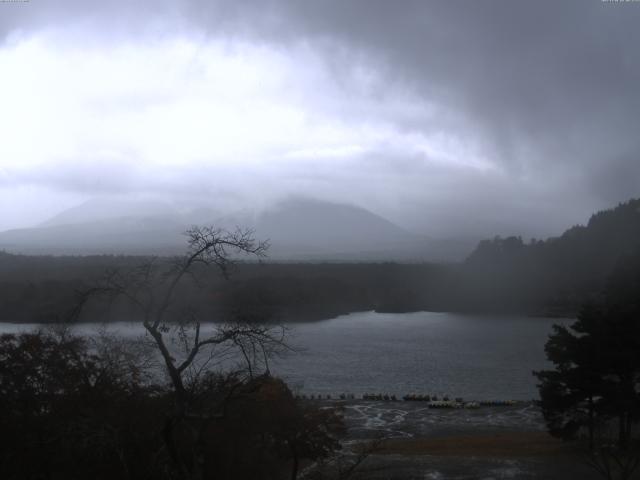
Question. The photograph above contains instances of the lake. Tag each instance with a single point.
(478, 357)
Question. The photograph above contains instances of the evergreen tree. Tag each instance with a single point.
(597, 363)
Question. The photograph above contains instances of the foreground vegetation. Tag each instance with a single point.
(593, 392)
(77, 408)
(96, 408)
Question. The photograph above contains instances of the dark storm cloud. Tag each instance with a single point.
(547, 90)
(549, 86)
(551, 89)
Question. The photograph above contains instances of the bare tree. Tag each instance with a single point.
(152, 288)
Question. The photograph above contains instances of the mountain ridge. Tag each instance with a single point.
(299, 229)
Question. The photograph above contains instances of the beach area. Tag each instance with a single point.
(409, 440)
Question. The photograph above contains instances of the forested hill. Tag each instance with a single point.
(556, 274)
(552, 277)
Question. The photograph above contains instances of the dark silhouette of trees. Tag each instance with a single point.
(67, 411)
(73, 407)
(571, 394)
(42, 289)
(209, 407)
(595, 385)
(152, 288)
(555, 276)
(266, 428)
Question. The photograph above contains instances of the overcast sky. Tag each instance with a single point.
(449, 118)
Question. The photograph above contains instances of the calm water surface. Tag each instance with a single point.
(476, 357)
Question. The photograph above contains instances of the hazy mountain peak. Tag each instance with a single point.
(298, 228)
(102, 208)
(317, 222)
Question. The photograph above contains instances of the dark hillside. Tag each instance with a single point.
(550, 276)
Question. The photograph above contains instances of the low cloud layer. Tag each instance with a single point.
(449, 118)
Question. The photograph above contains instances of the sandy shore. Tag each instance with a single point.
(507, 442)
(499, 444)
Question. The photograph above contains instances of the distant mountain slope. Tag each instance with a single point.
(301, 228)
(298, 229)
(123, 235)
(311, 222)
(99, 209)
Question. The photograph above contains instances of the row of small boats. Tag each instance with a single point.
(458, 403)
(458, 400)
(452, 404)
(413, 397)
(432, 401)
